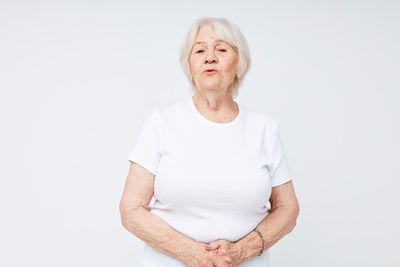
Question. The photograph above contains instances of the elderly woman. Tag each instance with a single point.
(221, 182)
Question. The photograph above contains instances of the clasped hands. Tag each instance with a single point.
(219, 253)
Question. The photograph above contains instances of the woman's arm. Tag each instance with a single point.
(136, 218)
(279, 222)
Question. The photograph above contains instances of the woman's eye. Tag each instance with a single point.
(222, 50)
(199, 51)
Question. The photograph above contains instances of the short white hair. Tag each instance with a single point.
(227, 32)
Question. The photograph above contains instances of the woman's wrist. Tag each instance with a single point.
(241, 251)
(185, 253)
(262, 239)
(250, 246)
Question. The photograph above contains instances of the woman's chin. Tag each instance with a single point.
(210, 85)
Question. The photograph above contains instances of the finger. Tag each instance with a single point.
(212, 246)
(225, 261)
(225, 258)
(223, 249)
(219, 261)
(222, 252)
(210, 260)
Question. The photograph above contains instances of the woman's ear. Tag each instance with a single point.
(237, 71)
(237, 76)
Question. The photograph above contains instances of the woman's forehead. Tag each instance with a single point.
(204, 34)
(202, 39)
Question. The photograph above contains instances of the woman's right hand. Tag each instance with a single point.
(200, 257)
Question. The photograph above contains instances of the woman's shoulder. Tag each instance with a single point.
(257, 116)
(169, 112)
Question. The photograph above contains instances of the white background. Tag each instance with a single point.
(77, 79)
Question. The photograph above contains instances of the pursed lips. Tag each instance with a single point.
(211, 70)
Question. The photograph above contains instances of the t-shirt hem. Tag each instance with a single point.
(281, 181)
(144, 163)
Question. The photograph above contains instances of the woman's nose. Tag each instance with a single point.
(210, 57)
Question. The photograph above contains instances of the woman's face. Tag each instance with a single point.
(209, 52)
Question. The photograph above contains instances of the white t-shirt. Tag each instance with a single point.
(212, 180)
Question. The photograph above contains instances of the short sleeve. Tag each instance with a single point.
(278, 165)
(145, 151)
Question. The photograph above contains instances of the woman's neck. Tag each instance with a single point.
(216, 107)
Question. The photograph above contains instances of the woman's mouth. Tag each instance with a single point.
(211, 71)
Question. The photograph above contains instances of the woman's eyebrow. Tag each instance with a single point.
(216, 41)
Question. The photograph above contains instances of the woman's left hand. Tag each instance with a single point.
(231, 252)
